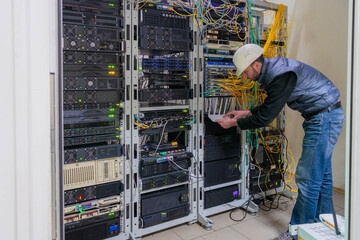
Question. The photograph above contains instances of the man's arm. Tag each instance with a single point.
(230, 119)
(278, 92)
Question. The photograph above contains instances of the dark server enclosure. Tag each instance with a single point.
(89, 193)
(222, 171)
(222, 195)
(164, 205)
(221, 147)
(96, 231)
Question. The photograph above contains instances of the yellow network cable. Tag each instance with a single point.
(143, 5)
(172, 9)
(144, 126)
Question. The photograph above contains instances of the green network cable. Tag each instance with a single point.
(257, 24)
(252, 34)
(216, 89)
(190, 122)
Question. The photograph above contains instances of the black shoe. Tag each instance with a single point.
(284, 236)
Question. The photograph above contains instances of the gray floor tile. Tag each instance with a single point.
(256, 230)
(222, 220)
(276, 219)
(187, 232)
(225, 233)
(163, 235)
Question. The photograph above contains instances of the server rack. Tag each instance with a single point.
(157, 174)
(94, 197)
(239, 192)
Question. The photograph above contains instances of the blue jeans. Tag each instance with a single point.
(313, 173)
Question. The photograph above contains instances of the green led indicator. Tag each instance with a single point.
(109, 66)
(81, 158)
(140, 68)
(111, 4)
(81, 210)
(79, 35)
(110, 214)
(185, 111)
(117, 128)
(80, 100)
(181, 127)
(112, 109)
(111, 115)
(117, 136)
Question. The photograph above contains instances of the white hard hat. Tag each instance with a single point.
(245, 56)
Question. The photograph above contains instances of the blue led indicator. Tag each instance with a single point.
(113, 228)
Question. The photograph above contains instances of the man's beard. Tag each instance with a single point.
(256, 74)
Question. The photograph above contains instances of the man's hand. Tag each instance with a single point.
(227, 122)
(238, 114)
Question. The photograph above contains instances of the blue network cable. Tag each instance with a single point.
(139, 121)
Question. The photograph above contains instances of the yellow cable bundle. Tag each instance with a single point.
(269, 50)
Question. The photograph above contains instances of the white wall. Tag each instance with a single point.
(353, 189)
(318, 37)
(25, 174)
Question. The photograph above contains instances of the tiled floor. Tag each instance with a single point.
(263, 226)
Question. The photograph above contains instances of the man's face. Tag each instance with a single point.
(252, 72)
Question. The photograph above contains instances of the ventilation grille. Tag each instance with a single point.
(79, 175)
(106, 170)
